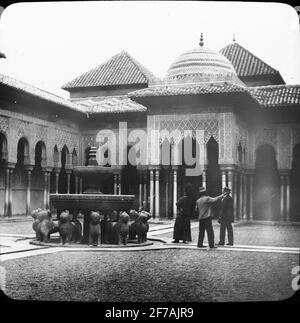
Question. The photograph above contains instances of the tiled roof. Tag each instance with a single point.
(245, 63)
(276, 95)
(32, 90)
(118, 104)
(171, 90)
(122, 69)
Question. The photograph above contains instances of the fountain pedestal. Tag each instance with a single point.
(95, 179)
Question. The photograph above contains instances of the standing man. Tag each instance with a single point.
(203, 207)
(226, 218)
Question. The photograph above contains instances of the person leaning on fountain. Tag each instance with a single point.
(203, 208)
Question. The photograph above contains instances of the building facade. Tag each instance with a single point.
(235, 113)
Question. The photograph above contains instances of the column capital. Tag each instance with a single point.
(229, 167)
(284, 172)
(29, 167)
(47, 169)
(56, 170)
(69, 171)
(117, 169)
(249, 171)
(154, 167)
(142, 168)
(10, 165)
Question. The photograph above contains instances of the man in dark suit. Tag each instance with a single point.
(226, 218)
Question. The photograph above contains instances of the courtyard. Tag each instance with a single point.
(257, 268)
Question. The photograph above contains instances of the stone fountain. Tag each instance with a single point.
(92, 199)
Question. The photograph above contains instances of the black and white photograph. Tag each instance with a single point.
(149, 153)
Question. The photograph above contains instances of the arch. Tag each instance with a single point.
(130, 177)
(40, 157)
(165, 152)
(107, 155)
(23, 151)
(240, 153)
(295, 184)
(3, 148)
(86, 155)
(63, 178)
(187, 174)
(55, 156)
(74, 158)
(213, 178)
(65, 157)
(266, 184)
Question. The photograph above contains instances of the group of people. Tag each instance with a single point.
(186, 206)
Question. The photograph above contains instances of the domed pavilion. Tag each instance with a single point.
(217, 118)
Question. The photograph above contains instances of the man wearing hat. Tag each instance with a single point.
(226, 218)
(203, 207)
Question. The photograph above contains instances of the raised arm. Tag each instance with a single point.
(214, 199)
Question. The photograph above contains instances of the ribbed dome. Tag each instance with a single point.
(201, 65)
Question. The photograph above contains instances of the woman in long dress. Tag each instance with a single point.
(185, 207)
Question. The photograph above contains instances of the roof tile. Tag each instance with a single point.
(32, 90)
(245, 63)
(171, 90)
(276, 95)
(121, 69)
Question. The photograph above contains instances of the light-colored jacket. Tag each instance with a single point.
(204, 204)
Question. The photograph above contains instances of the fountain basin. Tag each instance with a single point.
(91, 202)
(85, 203)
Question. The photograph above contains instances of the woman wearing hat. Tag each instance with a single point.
(185, 206)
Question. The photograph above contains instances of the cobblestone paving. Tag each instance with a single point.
(164, 275)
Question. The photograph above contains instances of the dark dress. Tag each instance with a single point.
(182, 227)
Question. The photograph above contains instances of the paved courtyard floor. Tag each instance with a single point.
(257, 268)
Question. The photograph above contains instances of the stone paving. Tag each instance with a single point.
(259, 270)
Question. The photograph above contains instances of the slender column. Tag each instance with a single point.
(56, 179)
(28, 192)
(241, 196)
(223, 179)
(49, 189)
(230, 179)
(204, 178)
(235, 195)
(10, 192)
(6, 191)
(145, 189)
(288, 197)
(115, 184)
(174, 193)
(76, 184)
(157, 193)
(245, 198)
(151, 192)
(282, 197)
(6, 202)
(251, 197)
(167, 193)
(68, 181)
(45, 189)
(140, 190)
(80, 185)
(120, 186)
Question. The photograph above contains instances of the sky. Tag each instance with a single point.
(48, 44)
